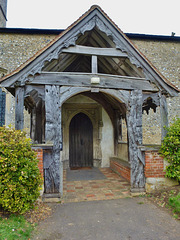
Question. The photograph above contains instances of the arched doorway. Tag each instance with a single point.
(80, 141)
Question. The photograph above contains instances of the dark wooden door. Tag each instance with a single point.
(81, 141)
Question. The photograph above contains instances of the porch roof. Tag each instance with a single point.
(167, 85)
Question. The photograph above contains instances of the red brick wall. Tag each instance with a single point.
(40, 158)
(154, 166)
(124, 171)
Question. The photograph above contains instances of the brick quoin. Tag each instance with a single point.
(154, 166)
(40, 158)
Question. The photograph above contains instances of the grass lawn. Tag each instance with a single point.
(174, 202)
(20, 227)
(15, 227)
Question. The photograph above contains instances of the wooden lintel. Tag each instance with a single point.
(84, 50)
(84, 80)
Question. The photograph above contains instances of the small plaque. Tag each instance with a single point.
(95, 80)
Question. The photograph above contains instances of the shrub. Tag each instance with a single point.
(20, 178)
(170, 150)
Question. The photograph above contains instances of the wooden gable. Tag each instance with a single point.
(92, 46)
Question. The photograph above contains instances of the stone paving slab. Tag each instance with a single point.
(112, 186)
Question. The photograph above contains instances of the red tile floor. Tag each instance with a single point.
(113, 187)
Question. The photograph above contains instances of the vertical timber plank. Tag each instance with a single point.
(94, 64)
(134, 128)
(53, 132)
(19, 108)
(33, 124)
(164, 116)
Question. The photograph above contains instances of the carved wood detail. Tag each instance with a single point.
(53, 131)
(150, 100)
(134, 128)
(71, 41)
(96, 21)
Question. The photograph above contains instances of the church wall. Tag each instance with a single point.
(17, 48)
(107, 143)
(122, 151)
(165, 56)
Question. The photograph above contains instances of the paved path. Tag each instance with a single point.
(112, 186)
(119, 219)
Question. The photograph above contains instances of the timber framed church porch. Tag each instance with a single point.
(86, 91)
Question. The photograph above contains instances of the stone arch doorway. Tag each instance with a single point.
(126, 106)
(80, 141)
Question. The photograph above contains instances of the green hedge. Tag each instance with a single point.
(20, 178)
(170, 150)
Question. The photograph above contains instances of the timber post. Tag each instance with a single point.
(33, 124)
(53, 135)
(19, 108)
(134, 127)
(164, 116)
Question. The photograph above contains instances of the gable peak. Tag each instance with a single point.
(95, 6)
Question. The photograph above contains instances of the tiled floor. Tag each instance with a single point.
(113, 187)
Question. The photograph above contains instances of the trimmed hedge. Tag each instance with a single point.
(20, 178)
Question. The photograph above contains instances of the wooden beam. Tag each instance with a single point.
(19, 108)
(84, 80)
(107, 64)
(106, 52)
(67, 61)
(98, 39)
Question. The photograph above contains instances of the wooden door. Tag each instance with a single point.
(80, 141)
